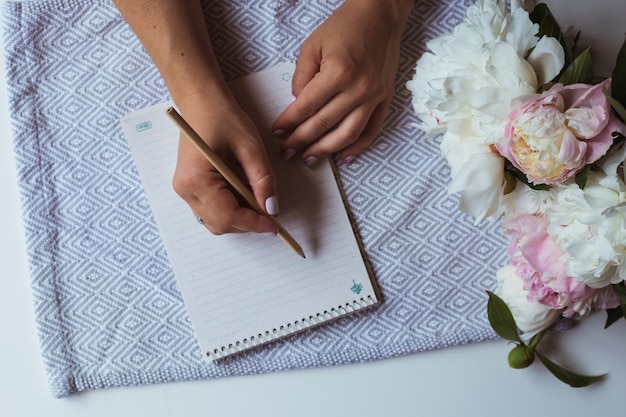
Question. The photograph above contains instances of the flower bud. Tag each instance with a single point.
(520, 357)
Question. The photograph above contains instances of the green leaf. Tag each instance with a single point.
(570, 378)
(581, 177)
(620, 291)
(501, 319)
(617, 106)
(618, 84)
(579, 71)
(510, 182)
(510, 169)
(539, 12)
(613, 315)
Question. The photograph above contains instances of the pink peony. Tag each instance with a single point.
(553, 135)
(539, 262)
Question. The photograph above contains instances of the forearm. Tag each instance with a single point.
(175, 36)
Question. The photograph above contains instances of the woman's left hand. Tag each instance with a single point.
(344, 81)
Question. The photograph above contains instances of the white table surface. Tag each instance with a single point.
(466, 380)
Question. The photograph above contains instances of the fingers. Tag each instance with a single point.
(342, 125)
(368, 135)
(340, 109)
(221, 211)
(213, 200)
(322, 102)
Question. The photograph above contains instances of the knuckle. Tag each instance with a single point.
(323, 123)
(218, 229)
(221, 224)
(363, 87)
(298, 80)
(185, 183)
(340, 71)
(263, 180)
(307, 109)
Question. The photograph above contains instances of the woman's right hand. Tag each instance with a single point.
(229, 132)
(175, 35)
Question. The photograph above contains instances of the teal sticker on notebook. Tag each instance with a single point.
(356, 288)
(144, 126)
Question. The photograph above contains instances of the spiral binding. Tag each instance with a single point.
(290, 328)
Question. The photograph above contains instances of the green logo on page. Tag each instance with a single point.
(356, 288)
(144, 126)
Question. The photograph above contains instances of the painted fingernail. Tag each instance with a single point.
(288, 154)
(348, 160)
(271, 206)
(310, 161)
(279, 133)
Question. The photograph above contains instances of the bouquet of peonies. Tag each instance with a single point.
(535, 139)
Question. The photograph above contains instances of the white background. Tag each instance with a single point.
(466, 380)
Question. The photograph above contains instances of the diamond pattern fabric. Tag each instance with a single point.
(107, 305)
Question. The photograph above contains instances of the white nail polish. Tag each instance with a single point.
(271, 206)
(310, 161)
(348, 160)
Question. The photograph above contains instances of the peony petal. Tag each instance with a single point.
(599, 145)
(521, 31)
(480, 180)
(492, 101)
(547, 59)
(572, 151)
(530, 316)
(586, 122)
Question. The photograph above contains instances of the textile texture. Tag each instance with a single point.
(108, 309)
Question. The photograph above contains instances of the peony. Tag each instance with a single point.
(539, 262)
(590, 226)
(531, 317)
(554, 135)
(461, 86)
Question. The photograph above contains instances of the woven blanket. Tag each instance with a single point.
(108, 309)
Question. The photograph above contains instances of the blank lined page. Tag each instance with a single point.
(245, 289)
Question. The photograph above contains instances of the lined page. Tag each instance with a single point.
(245, 289)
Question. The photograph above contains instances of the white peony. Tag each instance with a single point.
(525, 200)
(463, 88)
(590, 225)
(531, 317)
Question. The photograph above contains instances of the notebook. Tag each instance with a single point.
(244, 290)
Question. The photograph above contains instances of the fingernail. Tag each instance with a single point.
(271, 206)
(272, 234)
(310, 161)
(348, 160)
(288, 154)
(279, 133)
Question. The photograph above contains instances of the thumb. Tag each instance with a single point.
(307, 65)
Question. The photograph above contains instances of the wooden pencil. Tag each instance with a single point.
(230, 177)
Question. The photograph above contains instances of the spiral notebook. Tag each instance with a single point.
(243, 290)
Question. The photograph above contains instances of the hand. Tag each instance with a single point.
(344, 81)
(234, 137)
